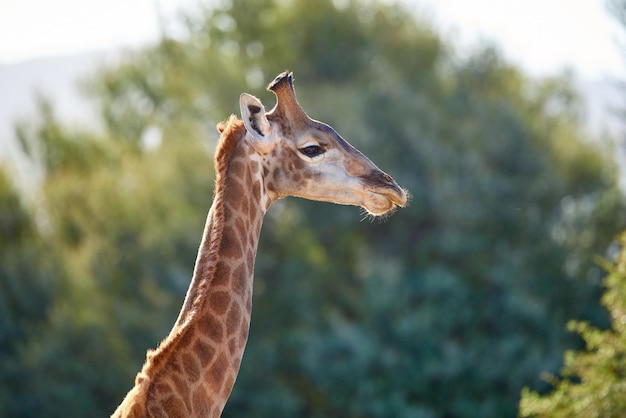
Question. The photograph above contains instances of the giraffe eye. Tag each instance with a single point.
(312, 151)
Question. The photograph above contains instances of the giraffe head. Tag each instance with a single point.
(306, 158)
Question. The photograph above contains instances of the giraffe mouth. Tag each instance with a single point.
(399, 197)
(384, 194)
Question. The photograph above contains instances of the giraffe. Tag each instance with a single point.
(262, 158)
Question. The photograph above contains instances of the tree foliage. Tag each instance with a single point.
(593, 381)
(447, 310)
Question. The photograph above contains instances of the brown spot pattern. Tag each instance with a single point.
(237, 168)
(215, 331)
(222, 274)
(204, 352)
(200, 407)
(239, 280)
(180, 384)
(215, 373)
(174, 408)
(230, 246)
(233, 320)
(190, 366)
(218, 302)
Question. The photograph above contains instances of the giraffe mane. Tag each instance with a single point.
(230, 131)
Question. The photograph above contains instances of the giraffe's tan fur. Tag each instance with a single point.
(192, 372)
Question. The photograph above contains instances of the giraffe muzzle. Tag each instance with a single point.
(382, 184)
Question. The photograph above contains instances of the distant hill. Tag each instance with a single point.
(56, 78)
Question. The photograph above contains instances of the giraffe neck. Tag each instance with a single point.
(235, 220)
(193, 370)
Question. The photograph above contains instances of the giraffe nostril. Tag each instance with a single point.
(381, 178)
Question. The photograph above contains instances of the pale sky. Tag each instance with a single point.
(41, 28)
(543, 36)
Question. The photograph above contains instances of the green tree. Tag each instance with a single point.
(592, 382)
(26, 272)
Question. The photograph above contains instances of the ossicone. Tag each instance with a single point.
(286, 102)
(281, 79)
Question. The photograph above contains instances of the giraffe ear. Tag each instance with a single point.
(253, 115)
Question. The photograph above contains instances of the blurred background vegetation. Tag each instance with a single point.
(448, 309)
